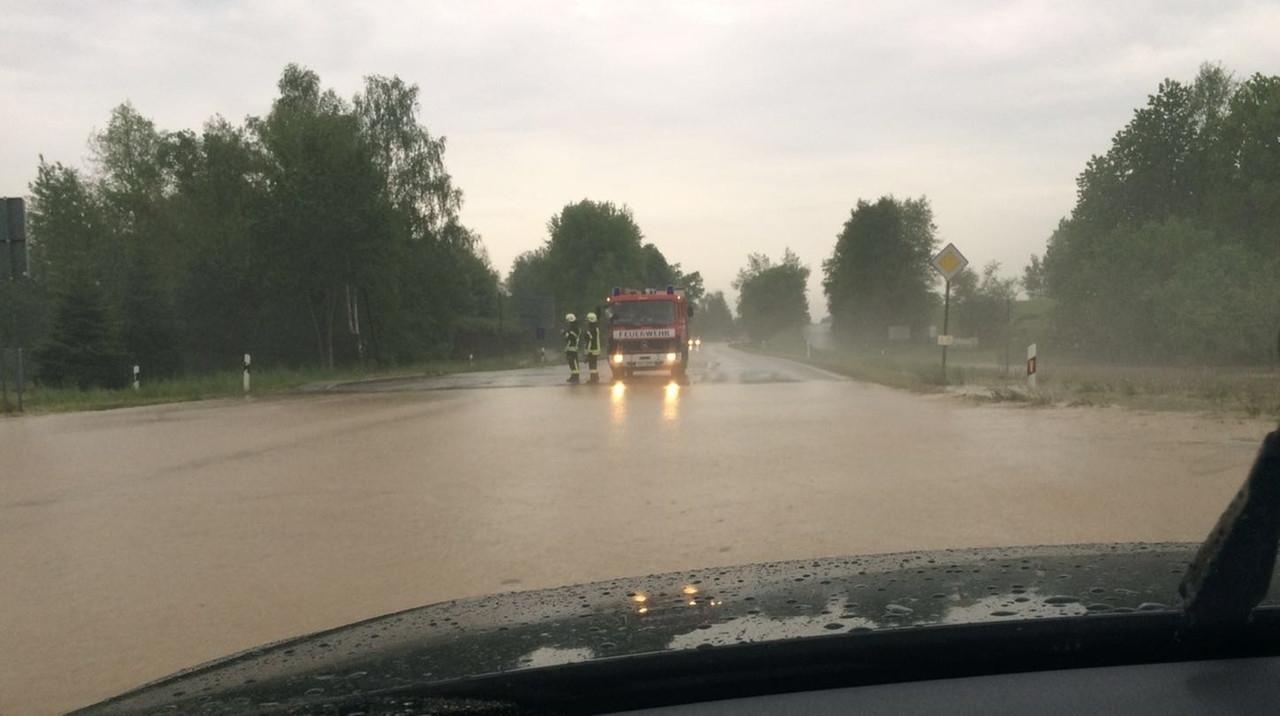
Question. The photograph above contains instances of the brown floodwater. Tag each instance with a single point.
(137, 542)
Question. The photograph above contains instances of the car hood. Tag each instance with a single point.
(698, 609)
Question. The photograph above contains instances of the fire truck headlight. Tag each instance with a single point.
(617, 359)
(671, 357)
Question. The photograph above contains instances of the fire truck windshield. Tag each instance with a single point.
(644, 312)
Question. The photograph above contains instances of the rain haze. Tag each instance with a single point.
(728, 128)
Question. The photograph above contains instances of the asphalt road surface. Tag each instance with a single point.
(137, 542)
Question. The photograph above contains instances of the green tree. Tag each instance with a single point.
(81, 350)
(1244, 165)
(440, 295)
(531, 299)
(1033, 277)
(67, 229)
(1188, 189)
(771, 297)
(412, 160)
(149, 333)
(1171, 289)
(981, 304)
(325, 230)
(327, 226)
(591, 247)
(879, 274)
(713, 319)
(691, 282)
(223, 301)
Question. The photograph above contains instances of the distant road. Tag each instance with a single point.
(136, 542)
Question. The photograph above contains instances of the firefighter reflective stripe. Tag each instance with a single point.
(570, 340)
(572, 356)
(593, 340)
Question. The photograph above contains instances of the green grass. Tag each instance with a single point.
(266, 381)
(915, 368)
(1250, 391)
(1253, 391)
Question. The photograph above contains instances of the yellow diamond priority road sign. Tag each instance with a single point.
(949, 262)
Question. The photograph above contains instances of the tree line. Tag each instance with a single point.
(324, 232)
(1172, 250)
(1171, 253)
(327, 232)
(591, 247)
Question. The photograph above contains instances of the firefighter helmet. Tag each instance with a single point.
(570, 318)
(591, 318)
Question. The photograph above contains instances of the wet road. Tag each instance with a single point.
(136, 542)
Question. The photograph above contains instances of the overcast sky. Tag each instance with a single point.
(727, 127)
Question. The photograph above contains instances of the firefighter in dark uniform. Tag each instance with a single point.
(571, 338)
(591, 343)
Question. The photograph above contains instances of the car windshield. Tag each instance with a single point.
(643, 312)
(293, 311)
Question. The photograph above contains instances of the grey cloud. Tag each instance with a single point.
(729, 127)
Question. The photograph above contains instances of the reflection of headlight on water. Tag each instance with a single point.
(672, 390)
(618, 389)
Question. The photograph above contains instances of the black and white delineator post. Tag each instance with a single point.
(1031, 366)
(136, 370)
(247, 360)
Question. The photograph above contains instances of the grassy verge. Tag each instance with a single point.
(267, 381)
(1253, 392)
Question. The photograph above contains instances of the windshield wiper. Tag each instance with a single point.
(1231, 572)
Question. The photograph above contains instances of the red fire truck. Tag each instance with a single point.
(648, 330)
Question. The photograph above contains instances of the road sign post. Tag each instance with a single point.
(946, 333)
(13, 238)
(13, 267)
(948, 263)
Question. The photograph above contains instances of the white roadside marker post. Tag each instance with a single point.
(247, 360)
(136, 371)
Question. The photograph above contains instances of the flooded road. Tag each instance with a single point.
(137, 542)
